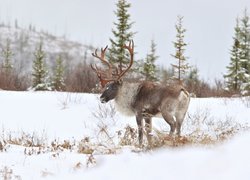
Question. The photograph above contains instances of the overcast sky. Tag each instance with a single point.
(209, 25)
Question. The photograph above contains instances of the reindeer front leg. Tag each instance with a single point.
(148, 127)
(139, 118)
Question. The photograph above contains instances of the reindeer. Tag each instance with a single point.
(142, 99)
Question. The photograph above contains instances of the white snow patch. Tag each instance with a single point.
(70, 116)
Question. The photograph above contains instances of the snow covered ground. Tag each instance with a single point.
(53, 135)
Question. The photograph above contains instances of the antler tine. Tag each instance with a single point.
(102, 56)
(103, 51)
(104, 76)
(130, 48)
(100, 75)
(96, 69)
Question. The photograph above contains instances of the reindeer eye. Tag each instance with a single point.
(107, 87)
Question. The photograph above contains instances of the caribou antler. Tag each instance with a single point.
(104, 76)
(97, 70)
(102, 57)
(130, 48)
(112, 74)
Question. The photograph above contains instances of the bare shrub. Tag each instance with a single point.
(35, 150)
(2, 145)
(202, 88)
(26, 139)
(69, 98)
(105, 111)
(105, 115)
(46, 173)
(162, 139)
(85, 147)
(212, 134)
(104, 135)
(128, 137)
(13, 80)
(54, 146)
(80, 78)
(246, 101)
(91, 161)
(77, 166)
(65, 144)
(200, 129)
(205, 129)
(7, 174)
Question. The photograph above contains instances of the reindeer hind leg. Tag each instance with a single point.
(170, 120)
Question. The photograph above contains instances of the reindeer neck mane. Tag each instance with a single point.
(125, 97)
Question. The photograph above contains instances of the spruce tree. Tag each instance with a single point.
(40, 72)
(7, 57)
(245, 50)
(122, 35)
(245, 40)
(6, 69)
(58, 79)
(181, 66)
(149, 67)
(235, 74)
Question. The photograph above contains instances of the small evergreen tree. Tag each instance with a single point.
(245, 41)
(58, 79)
(181, 66)
(235, 75)
(7, 79)
(122, 35)
(245, 50)
(149, 67)
(7, 56)
(40, 72)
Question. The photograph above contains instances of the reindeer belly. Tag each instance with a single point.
(149, 111)
(148, 115)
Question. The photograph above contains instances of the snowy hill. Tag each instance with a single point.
(23, 43)
(53, 135)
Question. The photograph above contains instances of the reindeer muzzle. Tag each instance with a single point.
(103, 100)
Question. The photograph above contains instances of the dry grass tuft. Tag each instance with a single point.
(46, 173)
(3, 145)
(26, 139)
(246, 101)
(201, 129)
(85, 147)
(129, 137)
(91, 161)
(7, 173)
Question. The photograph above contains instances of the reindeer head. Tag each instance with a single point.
(111, 79)
(110, 91)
